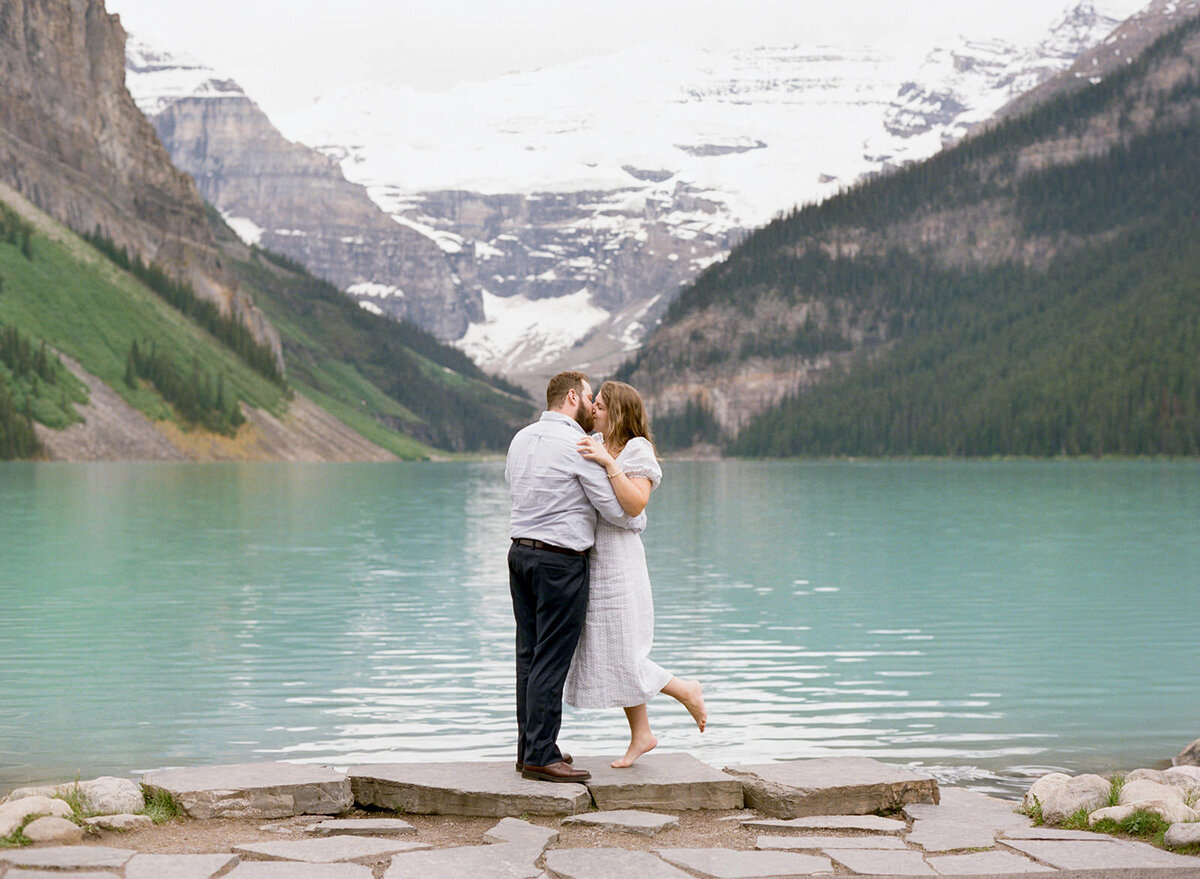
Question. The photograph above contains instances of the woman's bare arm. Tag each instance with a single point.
(632, 493)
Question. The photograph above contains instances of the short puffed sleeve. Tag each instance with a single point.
(638, 461)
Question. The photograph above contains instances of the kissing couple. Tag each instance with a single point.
(577, 572)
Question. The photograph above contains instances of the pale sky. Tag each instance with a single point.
(285, 53)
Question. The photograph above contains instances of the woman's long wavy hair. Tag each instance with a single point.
(626, 414)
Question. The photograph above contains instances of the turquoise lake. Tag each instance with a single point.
(983, 620)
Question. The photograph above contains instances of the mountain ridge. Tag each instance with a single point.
(849, 288)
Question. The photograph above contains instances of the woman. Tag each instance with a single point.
(611, 667)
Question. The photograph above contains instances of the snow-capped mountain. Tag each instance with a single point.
(571, 203)
(961, 87)
(595, 188)
(157, 78)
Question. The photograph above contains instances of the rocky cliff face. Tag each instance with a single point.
(73, 141)
(291, 199)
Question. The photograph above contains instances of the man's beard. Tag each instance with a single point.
(584, 419)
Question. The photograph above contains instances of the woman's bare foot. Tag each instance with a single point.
(693, 701)
(637, 748)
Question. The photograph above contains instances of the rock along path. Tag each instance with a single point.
(807, 818)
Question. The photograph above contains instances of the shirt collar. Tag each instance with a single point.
(558, 416)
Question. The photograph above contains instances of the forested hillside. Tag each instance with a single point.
(1033, 291)
(375, 373)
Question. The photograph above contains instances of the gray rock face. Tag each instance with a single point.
(177, 866)
(329, 850)
(307, 210)
(1164, 800)
(362, 827)
(485, 789)
(502, 861)
(715, 863)
(832, 786)
(1111, 813)
(254, 790)
(661, 781)
(1179, 835)
(1189, 756)
(119, 822)
(14, 812)
(522, 832)
(626, 821)
(1186, 777)
(106, 795)
(52, 829)
(607, 863)
(1061, 795)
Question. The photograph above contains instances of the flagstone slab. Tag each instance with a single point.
(328, 850)
(293, 870)
(516, 830)
(934, 835)
(55, 874)
(969, 807)
(1053, 833)
(717, 863)
(67, 857)
(253, 790)
(509, 860)
(872, 823)
(985, 864)
(626, 821)
(661, 781)
(793, 843)
(1104, 854)
(486, 789)
(362, 827)
(882, 863)
(606, 863)
(177, 866)
(832, 786)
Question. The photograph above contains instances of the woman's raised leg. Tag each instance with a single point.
(691, 695)
(641, 739)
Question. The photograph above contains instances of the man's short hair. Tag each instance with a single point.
(561, 385)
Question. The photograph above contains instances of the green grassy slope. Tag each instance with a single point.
(66, 294)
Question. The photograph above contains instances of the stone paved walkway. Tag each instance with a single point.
(929, 831)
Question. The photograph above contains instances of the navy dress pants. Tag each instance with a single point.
(549, 595)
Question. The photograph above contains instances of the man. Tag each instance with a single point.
(556, 494)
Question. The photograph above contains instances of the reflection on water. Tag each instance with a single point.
(983, 620)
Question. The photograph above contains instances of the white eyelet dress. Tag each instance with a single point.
(611, 667)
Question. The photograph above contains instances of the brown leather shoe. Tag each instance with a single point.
(559, 771)
(566, 758)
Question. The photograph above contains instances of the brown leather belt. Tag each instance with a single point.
(537, 544)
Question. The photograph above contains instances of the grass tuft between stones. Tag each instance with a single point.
(1114, 792)
(1034, 812)
(17, 838)
(160, 805)
(73, 797)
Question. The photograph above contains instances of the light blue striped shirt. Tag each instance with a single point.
(556, 492)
